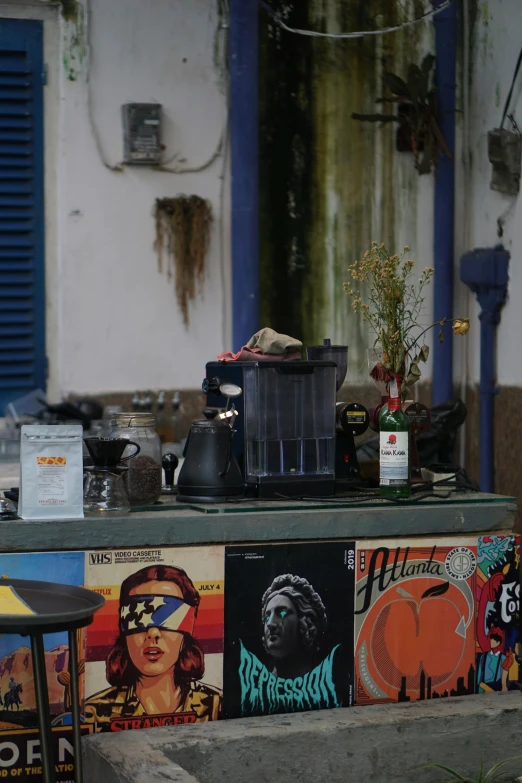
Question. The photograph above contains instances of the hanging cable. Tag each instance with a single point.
(510, 93)
(359, 34)
(118, 168)
(163, 168)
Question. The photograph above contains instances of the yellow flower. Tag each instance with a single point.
(461, 326)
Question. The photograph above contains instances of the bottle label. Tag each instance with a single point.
(394, 459)
(393, 389)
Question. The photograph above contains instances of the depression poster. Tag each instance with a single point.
(289, 628)
(499, 653)
(20, 755)
(414, 620)
(155, 650)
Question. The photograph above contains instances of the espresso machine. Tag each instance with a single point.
(351, 418)
(284, 439)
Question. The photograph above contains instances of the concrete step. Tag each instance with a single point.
(381, 744)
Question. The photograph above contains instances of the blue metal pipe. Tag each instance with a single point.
(486, 272)
(444, 207)
(487, 401)
(244, 168)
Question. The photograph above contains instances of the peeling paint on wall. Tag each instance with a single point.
(329, 184)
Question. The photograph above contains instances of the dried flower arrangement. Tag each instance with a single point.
(183, 230)
(391, 302)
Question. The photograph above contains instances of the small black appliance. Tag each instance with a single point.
(210, 472)
(285, 422)
(351, 419)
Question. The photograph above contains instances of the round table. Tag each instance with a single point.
(36, 608)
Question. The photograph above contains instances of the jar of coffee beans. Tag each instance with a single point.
(143, 479)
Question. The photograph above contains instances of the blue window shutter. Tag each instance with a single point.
(22, 269)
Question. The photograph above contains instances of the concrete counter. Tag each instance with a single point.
(394, 592)
(171, 524)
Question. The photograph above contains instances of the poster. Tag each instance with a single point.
(155, 650)
(289, 628)
(19, 739)
(498, 613)
(414, 620)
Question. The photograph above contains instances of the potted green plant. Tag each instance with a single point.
(416, 115)
(492, 775)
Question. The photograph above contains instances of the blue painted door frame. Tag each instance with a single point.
(444, 201)
(244, 167)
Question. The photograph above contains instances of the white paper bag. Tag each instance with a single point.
(51, 472)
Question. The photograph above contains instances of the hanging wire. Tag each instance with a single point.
(162, 168)
(359, 34)
(510, 93)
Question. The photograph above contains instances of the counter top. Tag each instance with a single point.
(174, 524)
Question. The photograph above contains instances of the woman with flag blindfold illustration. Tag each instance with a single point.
(156, 663)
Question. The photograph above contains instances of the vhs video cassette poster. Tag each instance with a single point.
(499, 652)
(20, 754)
(155, 650)
(288, 628)
(414, 620)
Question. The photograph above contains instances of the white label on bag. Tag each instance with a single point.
(52, 481)
(394, 459)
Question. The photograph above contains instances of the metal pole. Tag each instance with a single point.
(42, 705)
(244, 156)
(487, 402)
(75, 706)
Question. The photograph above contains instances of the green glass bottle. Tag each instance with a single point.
(394, 452)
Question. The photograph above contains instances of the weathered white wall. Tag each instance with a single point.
(112, 320)
(113, 323)
(495, 45)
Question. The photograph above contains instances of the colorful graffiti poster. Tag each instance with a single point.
(19, 738)
(414, 620)
(499, 651)
(155, 650)
(289, 628)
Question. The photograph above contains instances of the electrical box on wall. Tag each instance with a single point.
(142, 133)
(504, 152)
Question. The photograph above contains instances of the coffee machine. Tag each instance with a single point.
(285, 424)
(351, 419)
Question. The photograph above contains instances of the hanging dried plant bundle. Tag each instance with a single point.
(183, 231)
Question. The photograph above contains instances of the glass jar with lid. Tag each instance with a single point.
(143, 479)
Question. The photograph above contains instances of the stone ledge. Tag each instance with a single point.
(382, 744)
(466, 514)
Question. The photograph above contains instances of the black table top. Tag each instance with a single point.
(28, 607)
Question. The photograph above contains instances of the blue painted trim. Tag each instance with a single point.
(486, 272)
(27, 35)
(487, 402)
(244, 166)
(444, 207)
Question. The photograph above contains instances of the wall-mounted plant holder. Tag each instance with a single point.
(416, 115)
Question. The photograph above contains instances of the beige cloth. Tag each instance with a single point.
(269, 341)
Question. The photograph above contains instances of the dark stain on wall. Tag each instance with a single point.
(327, 183)
(69, 9)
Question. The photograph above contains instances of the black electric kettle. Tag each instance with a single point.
(210, 472)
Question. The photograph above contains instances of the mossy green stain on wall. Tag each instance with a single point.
(322, 207)
(74, 44)
(286, 146)
(69, 9)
